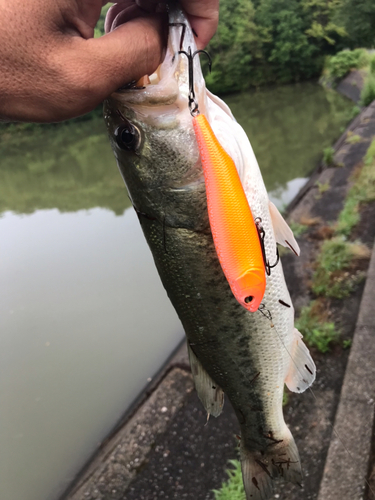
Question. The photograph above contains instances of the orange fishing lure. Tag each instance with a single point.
(232, 224)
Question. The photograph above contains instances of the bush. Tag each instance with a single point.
(328, 155)
(340, 64)
(372, 65)
(333, 276)
(315, 330)
(368, 91)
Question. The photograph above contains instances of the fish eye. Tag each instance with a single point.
(127, 137)
(248, 299)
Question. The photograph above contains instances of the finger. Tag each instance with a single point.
(113, 12)
(152, 5)
(203, 17)
(127, 14)
(102, 65)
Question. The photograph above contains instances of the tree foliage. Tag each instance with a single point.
(358, 18)
(278, 41)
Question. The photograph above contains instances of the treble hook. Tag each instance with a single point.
(262, 234)
(193, 104)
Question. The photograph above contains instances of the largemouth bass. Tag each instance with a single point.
(246, 355)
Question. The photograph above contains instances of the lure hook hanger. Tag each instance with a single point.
(193, 104)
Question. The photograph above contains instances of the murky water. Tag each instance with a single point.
(84, 321)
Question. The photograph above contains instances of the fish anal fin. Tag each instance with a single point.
(209, 393)
(302, 369)
(283, 234)
(259, 470)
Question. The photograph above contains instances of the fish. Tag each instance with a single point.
(248, 356)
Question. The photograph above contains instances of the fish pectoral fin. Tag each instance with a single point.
(283, 234)
(210, 394)
(302, 369)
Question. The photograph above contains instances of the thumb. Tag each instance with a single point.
(96, 67)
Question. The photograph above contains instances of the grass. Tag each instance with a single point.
(363, 191)
(233, 488)
(368, 91)
(353, 138)
(346, 343)
(328, 156)
(333, 276)
(316, 331)
(285, 396)
(322, 188)
(297, 228)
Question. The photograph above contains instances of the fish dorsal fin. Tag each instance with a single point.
(210, 394)
(283, 234)
(302, 369)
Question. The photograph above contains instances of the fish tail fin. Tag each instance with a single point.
(259, 470)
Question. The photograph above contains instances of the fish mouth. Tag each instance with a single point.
(168, 85)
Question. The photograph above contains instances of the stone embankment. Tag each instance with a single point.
(165, 449)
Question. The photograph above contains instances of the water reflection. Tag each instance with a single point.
(84, 323)
(84, 318)
(289, 126)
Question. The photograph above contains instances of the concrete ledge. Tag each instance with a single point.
(349, 453)
(109, 476)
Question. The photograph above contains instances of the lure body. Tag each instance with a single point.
(232, 224)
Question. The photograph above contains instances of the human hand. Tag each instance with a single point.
(53, 69)
(203, 15)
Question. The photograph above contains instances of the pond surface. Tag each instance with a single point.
(85, 322)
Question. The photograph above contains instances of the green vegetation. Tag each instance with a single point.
(297, 228)
(70, 168)
(353, 138)
(337, 66)
(285, 396)
(328, 155)
(273, 41)
(346, 343)
(363, 191)
(99, 28)
(232, 489)
(322, 188)
(358, 19)
(332, 277)
(368, 91)
(316, 331)
(349, 216)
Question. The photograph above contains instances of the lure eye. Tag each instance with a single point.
(248, 299)
(127, 137)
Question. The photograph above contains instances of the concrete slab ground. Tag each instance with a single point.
(348, 459)
(351, 85)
